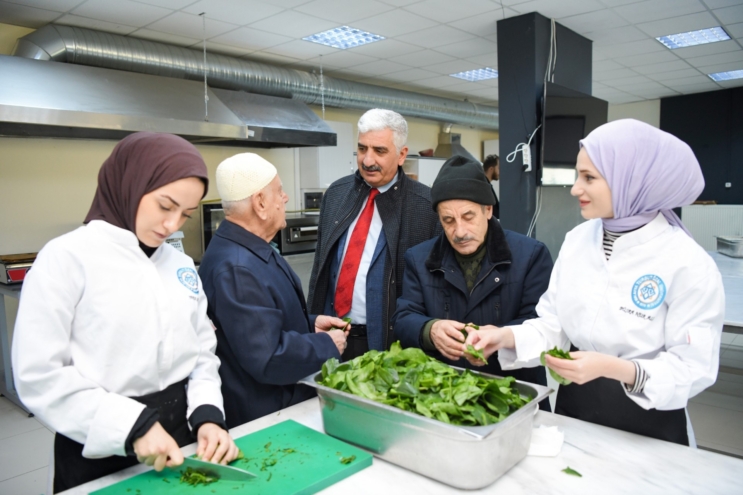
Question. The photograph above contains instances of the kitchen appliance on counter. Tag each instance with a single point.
(212, 214)
(299, 235)
(730, 245)
(13, 267)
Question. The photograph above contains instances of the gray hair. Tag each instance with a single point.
(379, 119)
(236, 208)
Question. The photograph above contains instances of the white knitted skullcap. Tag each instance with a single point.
(243, 175)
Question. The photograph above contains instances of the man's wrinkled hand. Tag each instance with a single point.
(448, 338)
(324, 323)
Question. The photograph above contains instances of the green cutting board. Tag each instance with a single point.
(314, 464)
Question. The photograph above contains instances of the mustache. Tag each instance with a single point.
(371, 168)
(461, 240)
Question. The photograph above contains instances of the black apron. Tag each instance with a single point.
(604, 402)
(71, 469)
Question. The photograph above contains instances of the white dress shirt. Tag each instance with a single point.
(358, 303)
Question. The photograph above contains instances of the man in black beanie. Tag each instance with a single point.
(474, 272)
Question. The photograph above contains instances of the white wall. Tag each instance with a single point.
(645, 111)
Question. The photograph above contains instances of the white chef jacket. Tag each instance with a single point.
(100, 322)
(658, 300)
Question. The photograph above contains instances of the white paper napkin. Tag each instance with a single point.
(546, 441)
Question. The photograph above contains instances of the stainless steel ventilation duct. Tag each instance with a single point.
(96, 48)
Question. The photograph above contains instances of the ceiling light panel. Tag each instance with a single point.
(726, 76)
(693, 38)
(477, 74)
(344, 37)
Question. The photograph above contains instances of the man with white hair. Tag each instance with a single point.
(367, 222)
(266, 340)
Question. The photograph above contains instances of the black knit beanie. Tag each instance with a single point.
(462, 178)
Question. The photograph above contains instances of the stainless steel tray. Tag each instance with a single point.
(730, 246)
(468, 457)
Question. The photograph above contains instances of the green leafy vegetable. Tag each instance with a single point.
(348, 460)
(572, 472)
(470, 325)
(348, 322)
(476, 353)
(194, 478)
(412, 381)
(558, 353)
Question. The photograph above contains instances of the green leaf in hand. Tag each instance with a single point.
(476, 353)
(572, 472)
(560, 354)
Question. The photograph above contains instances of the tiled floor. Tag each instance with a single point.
(716, 414)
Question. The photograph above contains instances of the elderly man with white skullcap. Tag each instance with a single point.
(266, 340)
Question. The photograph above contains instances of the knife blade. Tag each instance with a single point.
(220, 471)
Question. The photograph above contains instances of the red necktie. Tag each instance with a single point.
(352, 260)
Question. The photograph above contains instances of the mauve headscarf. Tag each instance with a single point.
(139, 164)
(648, 171)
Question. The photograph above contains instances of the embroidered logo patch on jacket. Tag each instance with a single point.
(188, 277)
(648, 292)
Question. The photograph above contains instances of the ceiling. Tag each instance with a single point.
(426, 40)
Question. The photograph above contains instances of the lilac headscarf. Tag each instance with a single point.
(647, 170)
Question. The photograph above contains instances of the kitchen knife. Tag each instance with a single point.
(220, 471)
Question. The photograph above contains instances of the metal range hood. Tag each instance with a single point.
(51, 99)
(450, 144)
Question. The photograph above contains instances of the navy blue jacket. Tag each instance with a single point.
(265, 338)
(514, 274)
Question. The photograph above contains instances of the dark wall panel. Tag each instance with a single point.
(712, 124)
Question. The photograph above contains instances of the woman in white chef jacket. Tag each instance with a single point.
(636, 299)
(112, 345)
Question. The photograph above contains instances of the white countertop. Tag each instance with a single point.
(611, 461)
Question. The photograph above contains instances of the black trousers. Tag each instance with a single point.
(603, 401)
(71, 469)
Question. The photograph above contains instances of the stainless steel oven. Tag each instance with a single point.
(299, 235)
(212, 215)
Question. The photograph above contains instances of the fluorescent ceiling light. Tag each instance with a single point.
(701, 37)
(344, 37)
(726, 76)
(477, 74)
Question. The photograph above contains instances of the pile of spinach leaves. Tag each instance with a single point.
(412, 381)
(558, 353)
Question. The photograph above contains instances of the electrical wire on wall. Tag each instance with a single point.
(549, 75)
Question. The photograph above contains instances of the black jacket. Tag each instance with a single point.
(408, 219)
(265, 338)
(514, 274)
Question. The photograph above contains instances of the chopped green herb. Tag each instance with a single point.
(558, 353)
(194, 478)
(572, 472)
(269, 476)
(412, 381)
(166, 480)
(348, 460)
(267, 446)
(476, 353)
(288, 451)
